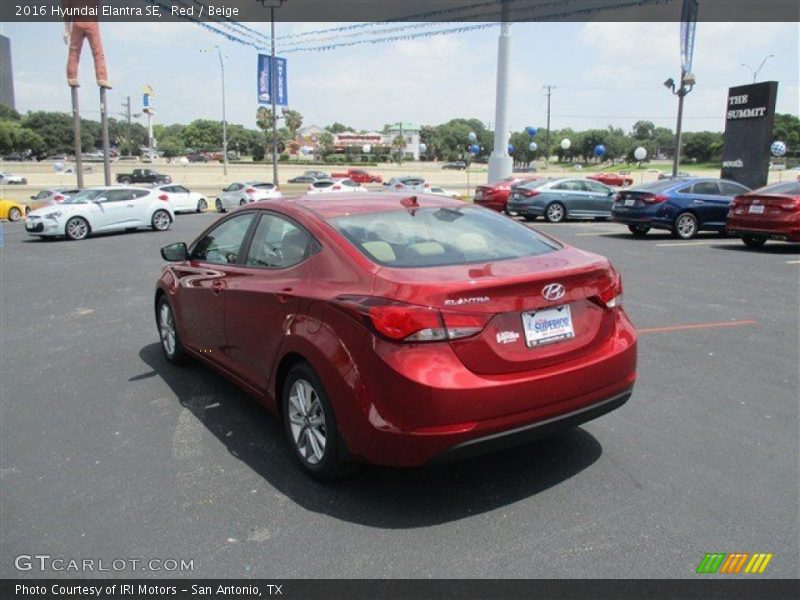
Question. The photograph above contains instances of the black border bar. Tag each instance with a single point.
(417, 11)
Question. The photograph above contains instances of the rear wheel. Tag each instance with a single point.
(310, 423)
(754, 241)
(218, 206)
(168, 332)
(529, 217)
(639, 230)
(161, 220)
(685, 227)
(77, 228)
(202, 205)
(555, 213)
(242, 202)
(14, 214)
(124, 180)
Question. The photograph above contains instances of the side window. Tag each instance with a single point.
(222, 244)
(42, 195)
(179, 189)
(140, 193)
(278, 244)
(685, 190)
(731, 189)
(593, 186)
(118, 195)
(706, 187)
(572, 186)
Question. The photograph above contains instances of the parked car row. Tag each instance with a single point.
(240, 193)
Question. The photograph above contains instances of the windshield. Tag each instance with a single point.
(84, 196)
(433, 237)
(657, 186)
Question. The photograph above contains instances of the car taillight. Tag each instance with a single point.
(336, 187)
(611, 297)
(791, 204)
(398, 186)
(530, 193)
(654, 199)
(618, 197)
(401, 322)
(58, 198)
(250, 191)
(427, 185)
(163, 197)
(310, 187)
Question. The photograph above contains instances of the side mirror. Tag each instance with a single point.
(176, 252)
(33, 197)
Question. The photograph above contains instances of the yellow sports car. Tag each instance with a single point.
(13, 211)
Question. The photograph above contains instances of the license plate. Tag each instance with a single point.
(547, 326)
(756, 209)
(630, 202)
(30, 225)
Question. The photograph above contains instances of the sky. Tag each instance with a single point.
(603, 73)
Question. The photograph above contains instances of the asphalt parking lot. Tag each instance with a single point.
(109, 452)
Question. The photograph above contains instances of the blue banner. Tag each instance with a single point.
(267, 76)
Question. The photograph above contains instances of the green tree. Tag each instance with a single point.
(338, 128)
(787, 129)
(9, 114)
(399, 148)
(293, 120)
(702, 146)
(643, 130)
(202, 135)
(325, 145)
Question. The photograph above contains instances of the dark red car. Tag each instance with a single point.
(495, 195)
(615, 179)
(769, 213)
(358, 175)
(399, 330)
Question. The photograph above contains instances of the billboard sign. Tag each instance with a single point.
(749, 117)
(266, 77)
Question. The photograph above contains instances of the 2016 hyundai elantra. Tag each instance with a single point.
(397, 329)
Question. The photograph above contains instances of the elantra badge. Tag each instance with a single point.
(466, 301)
(553, 291)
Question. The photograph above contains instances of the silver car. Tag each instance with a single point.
(560, 199)
(240, 193)
(54, 196)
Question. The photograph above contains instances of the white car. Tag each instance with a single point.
(332, 186)
(407, 183)
(440, 191)
(54, 196)
(102, 209)
(240, 193)
(9, 179)
(182, 199)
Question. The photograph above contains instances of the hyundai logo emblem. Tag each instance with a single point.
(553, 291)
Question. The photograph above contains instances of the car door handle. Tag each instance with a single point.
(217, 286)
(283, 295)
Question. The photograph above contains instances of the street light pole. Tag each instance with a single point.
(272, 97)
(758, 70)
(686, 84)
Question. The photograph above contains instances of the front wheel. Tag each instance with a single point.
(124, 180)
(555, 213)
(639, 230)
(218, 206)
(14, 214)
(685, 226)
(310, 423)
(77, 228)
(242, 202)
(202, 205)
(754, 241)
(161, 220)
(168, 333)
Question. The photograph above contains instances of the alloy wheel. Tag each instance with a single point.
(77, 229)
(161, 220)
(14, 214)
(555, 213)
(202, 205)
(686, 226)
(307, 422)
(166, 326)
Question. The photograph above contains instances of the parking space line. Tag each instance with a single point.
(793, 262)
(697, 326)
(601, 233)
(697, 243)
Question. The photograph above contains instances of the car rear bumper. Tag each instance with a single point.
(423, 406)
(786, 230)
(524, 210)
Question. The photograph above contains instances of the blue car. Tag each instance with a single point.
(683, 205)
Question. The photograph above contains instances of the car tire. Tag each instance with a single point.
(242, 202)
(76, 229)
(639, 230)
(218, 206)
(754, 241)
(685, 227)
(124, 180)
(202, 205)
(14, 214)
(555, 212)
(310, 424)
(529, 218)
(27, 210)
(160, 220)
(168, 333)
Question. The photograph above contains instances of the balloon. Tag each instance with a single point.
(59, 166)
(777, 148)
(533, 146)
(599, 150)
(511, 148)
(531, 131)
(474, 148)
(423, 148)
(472, 137)
(366, 148)
(640, 153)
(565, 144)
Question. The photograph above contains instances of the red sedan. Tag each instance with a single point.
(399, 330)
(772, 212)
(615, 179)
(495, 195)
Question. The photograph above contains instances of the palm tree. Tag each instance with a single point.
(398, 148)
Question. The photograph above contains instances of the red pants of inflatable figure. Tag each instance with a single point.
(86, 30)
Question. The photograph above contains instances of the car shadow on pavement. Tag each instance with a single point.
(388, 498)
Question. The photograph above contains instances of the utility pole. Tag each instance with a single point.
(127, 106)
(549, 89)
(224, 120)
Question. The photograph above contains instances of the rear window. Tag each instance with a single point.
(434, 237)
(661, 185)
(263, 186)
(788, 187)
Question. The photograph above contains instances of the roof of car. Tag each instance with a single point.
(337, 205)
